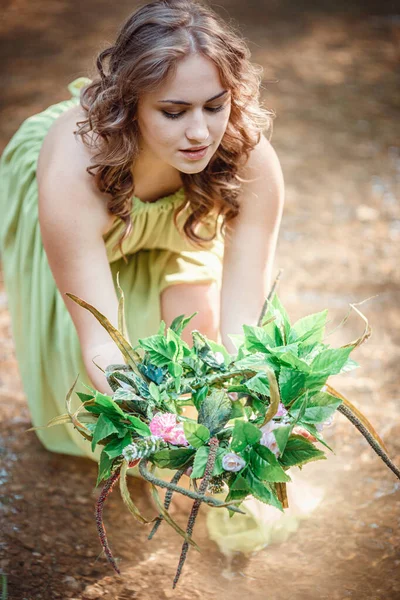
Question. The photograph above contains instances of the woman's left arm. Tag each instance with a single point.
(250, 242)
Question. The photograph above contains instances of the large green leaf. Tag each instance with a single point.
(138, 425)
(104, 467)
(262, 490)
(172, 459)
(104, 427)
(310, 328)
(299, 451)
(291, 383)
(320, 407)
(257, 339)
(251, 361)
(244, 434)
(331, 361)
(258, 384)
(158, 350)
(116, 446)
(215, 410)
(104, 404)
(265, 465)
(197, 435)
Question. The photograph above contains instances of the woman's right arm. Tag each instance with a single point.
(71, 221)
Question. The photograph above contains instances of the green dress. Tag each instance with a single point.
(46, 341)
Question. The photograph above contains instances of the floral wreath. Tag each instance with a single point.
(260, 412)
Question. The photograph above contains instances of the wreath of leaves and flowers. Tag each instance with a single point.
(260, 412)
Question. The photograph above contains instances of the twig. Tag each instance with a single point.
(176, 488)
(265, 305)
(348, 413)
(111, 481)
(214, 443)
(167, 502)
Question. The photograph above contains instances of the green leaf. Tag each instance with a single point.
(310, 328)
(244, 434)
(291, 383)
(281, 435)
(320, 407)
(200, 462)
(176, 370)
(262, 490)
(202, 347)
(104, 428)
(159, 353)
(257, 339)
(215, 411)
(199, 395)
(251, 361)
(237, 410)
(85, 397)
(238, 482)
(228, 358)
(172, 459)
(299, 451)
(179, 323)
(280, 328)
(289, 358)
(314, 431)
(115, 447)
(331, 361)
(141, 428)
(265, 465)
(106, 405)
(104, 468)
(258, 384)
(155, 392)
(197, 435)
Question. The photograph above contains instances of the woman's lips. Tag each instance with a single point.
(195, 155)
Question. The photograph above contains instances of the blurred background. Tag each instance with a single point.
(331, 76)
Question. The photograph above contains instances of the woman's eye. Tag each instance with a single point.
(177, 115)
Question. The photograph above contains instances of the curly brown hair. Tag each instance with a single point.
(148, 47)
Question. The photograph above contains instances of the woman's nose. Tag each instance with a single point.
(198, 130)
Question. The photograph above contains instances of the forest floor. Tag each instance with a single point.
(330, 77)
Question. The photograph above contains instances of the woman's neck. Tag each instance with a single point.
(154, 180)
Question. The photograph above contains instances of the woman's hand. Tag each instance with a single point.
(103, 355)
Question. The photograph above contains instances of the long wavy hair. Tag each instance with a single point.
(149, 45)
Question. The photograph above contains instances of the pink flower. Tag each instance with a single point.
(304, 433)
(268, 439)
(164, 426)
(281, 412)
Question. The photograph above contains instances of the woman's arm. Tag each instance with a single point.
(251, 241)
(71, 222)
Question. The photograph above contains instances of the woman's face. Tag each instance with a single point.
(191, 109)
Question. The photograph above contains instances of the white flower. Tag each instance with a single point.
(219, 357)
(233, 462)
(268, 439)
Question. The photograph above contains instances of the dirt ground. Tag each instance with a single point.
(330, 75)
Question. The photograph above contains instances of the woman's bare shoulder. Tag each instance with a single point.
(64, 156)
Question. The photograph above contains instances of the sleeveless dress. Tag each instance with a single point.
(46, 342)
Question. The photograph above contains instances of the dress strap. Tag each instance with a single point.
(75, 86)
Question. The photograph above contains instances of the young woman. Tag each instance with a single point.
(158, 168)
